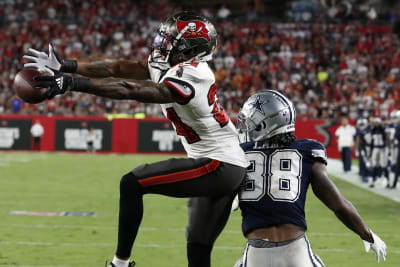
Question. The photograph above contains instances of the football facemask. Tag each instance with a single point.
(161, 48)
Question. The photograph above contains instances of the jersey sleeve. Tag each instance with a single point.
(315, 151)
(182, 79)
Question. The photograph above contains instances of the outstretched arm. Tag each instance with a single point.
(143, 91)
(108, 67)
(327, 192)
(89, 67)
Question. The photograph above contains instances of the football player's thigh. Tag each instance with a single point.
(187, 177)
(299, 254)
(207, 217)
(257, 257)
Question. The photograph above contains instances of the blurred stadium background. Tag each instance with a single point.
(332, 58)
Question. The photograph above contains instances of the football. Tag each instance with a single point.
(24, 86)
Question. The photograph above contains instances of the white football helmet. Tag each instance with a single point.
(362, 123)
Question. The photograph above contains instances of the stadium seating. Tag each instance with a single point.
(327, 70)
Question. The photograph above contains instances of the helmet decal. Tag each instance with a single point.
(184, 37)
(192, 29)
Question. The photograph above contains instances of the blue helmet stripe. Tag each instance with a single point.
(292, 114)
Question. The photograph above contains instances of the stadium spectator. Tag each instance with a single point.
(345, 137)
(90, 138)
(341, 69)
(37, 132)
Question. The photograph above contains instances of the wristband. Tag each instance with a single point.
(81, 84)
(69, 66)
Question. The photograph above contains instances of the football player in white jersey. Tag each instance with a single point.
(184, 85)
(273, 196)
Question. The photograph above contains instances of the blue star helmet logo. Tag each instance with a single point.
(258, 105)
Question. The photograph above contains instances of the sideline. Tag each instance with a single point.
(335, 168)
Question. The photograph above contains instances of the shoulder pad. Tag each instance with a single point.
(182, 87)
(313, 149)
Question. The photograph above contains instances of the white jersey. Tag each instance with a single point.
(202, 124)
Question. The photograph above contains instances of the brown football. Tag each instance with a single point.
(24, 86)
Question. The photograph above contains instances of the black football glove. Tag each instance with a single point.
(57, 84)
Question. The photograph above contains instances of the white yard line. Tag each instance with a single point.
(335, 168)
(151, 229)
(160, 246)
(7, 159)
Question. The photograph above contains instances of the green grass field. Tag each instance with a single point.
(87, 182)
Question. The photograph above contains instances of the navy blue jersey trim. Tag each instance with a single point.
(245, 256)
(309, 252)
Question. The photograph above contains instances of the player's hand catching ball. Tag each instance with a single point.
(43, 62)
(57, 84)
(379, 247)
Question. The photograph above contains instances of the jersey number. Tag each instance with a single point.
(278, 175)
(185, 130)
(181, 128)
(219, 112)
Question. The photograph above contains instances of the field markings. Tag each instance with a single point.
(160, 246)
(7, 159)
(151, 229)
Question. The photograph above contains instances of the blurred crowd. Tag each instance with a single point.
(327, 70)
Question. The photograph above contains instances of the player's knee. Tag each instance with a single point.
(129, 184)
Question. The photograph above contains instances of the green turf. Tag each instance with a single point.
(88, 182)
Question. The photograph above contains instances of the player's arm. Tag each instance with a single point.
(115, 88)
(143, 91)
(90, 67)
(108, 67)
(327, 192)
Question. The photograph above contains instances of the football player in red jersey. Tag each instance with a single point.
(178, 77)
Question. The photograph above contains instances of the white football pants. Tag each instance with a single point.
(293, 253)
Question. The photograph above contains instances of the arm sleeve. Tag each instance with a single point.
(318, 152)
(183, 79)
(183, 88)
